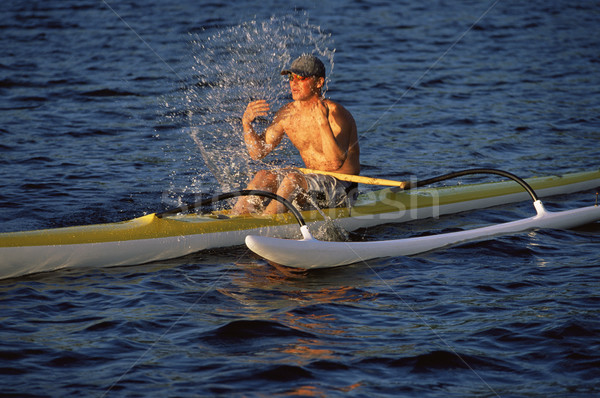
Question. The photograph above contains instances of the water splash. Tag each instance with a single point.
(232, 67)
(329, 230)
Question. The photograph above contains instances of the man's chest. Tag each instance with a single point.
(304, 133)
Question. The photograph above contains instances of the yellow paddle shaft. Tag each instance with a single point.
(358, 179)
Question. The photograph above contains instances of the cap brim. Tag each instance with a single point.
(295, 72)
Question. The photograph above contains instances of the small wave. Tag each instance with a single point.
(284, 373)
(68, 359)
(515, 334)
(329, 365)
(573, 329)
(433, 82)
(11, 83)
(102, 326)
(499, 247)
(440, 360)
(37, 160)
(259, 377)
(92, 132)
(106, 92)
(18, 354)
(253, 329)
(488, 289)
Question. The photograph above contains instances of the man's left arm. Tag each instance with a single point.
(336, 128)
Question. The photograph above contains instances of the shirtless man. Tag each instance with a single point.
(323, 131)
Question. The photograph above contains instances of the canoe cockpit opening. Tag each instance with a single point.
(228, 195)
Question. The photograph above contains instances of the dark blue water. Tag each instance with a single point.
(106, 111)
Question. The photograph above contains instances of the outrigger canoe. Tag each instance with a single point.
(155, 237)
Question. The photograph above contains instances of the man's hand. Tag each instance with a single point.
(321, 113)
(260, 145)
(254, 110)
(322, 106)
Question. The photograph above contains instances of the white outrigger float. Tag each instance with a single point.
(167, 235)
(309, 253)
(297, 253)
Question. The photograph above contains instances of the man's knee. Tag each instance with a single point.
(263, 179)
(296, 179)
(264, 174)
(292, 185)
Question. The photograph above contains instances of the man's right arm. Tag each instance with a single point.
(260, 146)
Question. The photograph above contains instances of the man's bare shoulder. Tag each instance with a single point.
(286, 109)
(338, 110)
(284, 113)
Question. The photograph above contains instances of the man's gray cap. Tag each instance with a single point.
(306, 65)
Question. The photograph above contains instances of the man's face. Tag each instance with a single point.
(304, 88)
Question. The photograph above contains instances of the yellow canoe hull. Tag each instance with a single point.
(150, 238)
